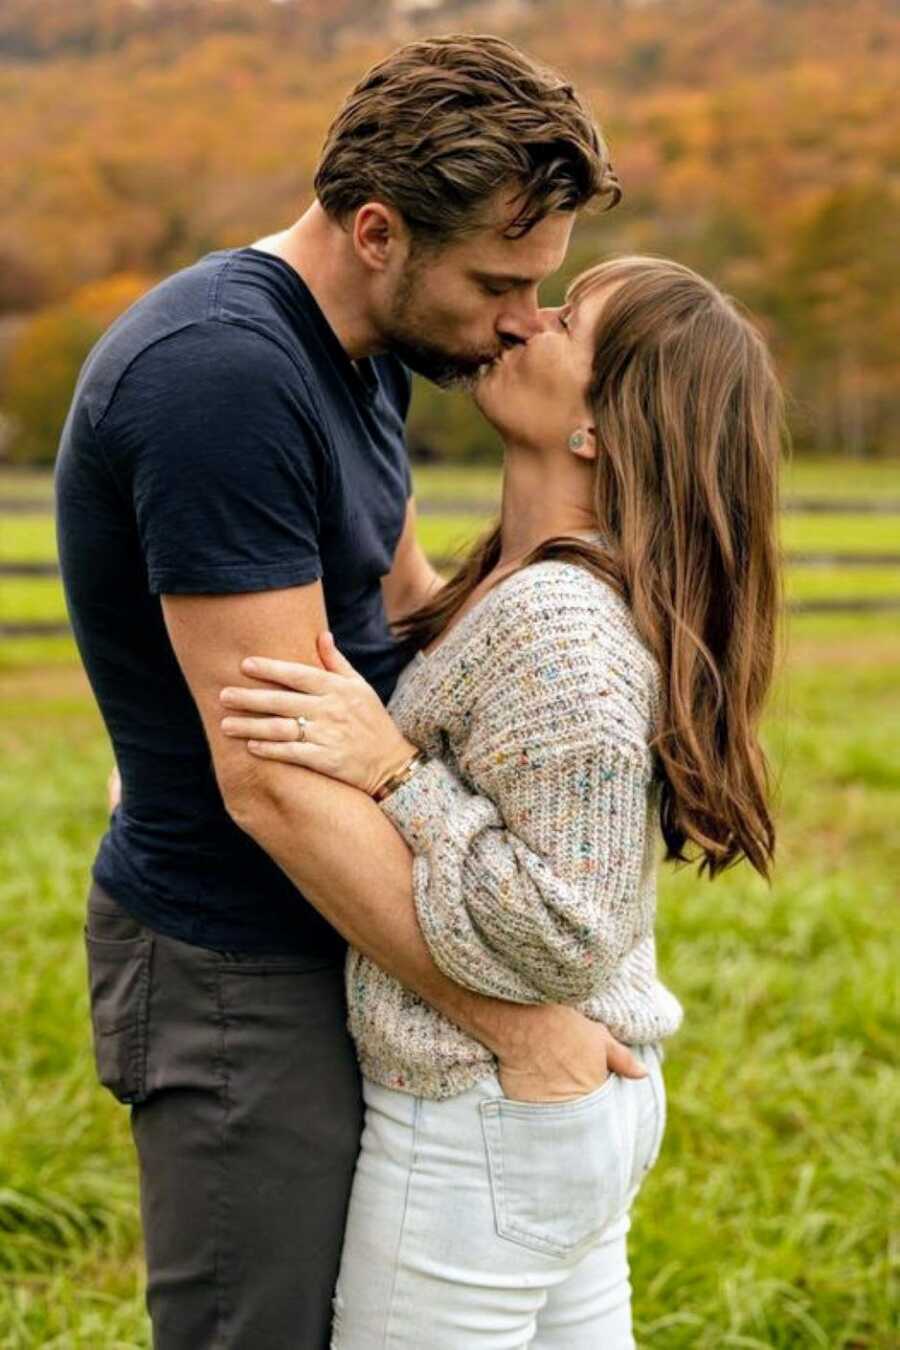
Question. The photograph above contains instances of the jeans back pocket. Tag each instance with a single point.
(119, 986)
(556, 1169)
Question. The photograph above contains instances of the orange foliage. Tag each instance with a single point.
(756, 140)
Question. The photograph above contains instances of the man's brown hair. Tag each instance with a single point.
(439, 125)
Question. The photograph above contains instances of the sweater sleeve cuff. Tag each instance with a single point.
(421, 806)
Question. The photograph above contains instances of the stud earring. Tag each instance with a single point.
(577, 440)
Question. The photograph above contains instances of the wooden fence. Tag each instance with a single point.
(794, 505)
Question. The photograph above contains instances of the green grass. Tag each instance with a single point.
(449, 484)
(27, 538)
(21, 484)
(836, 583)
(841, 534)
(30, 653)
(36, 598)
(768, 1219)
(32, 538)
(838, 478)
(877, 478)
(802, 477)
(68, 1250)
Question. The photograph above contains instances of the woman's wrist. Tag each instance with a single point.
(399, 770)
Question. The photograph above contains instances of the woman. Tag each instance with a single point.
(594, 671)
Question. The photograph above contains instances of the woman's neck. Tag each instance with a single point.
(542, 499)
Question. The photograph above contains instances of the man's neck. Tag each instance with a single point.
(319, 250)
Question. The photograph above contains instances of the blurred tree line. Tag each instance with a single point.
(756, 141)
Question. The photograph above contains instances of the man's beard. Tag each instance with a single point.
(403, 337)
(445, 369)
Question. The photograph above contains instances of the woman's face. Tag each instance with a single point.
(536, 393)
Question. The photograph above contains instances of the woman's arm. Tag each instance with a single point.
(527, 872)
(537, 886)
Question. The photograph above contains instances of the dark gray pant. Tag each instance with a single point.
(247, 1113)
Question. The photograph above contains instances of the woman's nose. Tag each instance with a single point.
(550, 318)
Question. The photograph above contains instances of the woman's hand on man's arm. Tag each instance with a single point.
(347, 732)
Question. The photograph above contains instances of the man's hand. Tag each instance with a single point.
(562, 1055)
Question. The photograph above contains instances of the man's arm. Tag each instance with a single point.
(331, 839)
(412, 580)
(337, 846)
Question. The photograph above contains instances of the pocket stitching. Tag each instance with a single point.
(136, 1023)
(142, 947)
(507, 1228)
(549, 1108)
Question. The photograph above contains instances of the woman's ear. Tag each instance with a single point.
(583, 442)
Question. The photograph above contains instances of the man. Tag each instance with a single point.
(233, 478)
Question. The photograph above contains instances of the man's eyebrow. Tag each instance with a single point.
(507, 278)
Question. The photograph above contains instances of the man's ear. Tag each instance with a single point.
(378, 233)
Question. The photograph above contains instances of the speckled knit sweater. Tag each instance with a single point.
(534, 828)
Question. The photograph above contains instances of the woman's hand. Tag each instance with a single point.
(349, 734)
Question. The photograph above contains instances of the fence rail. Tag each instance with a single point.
(870, 605)
(482, 506)
(792, 506)
(827, 559)
(864, 605)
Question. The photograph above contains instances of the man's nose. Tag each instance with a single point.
(544, 321)
(520, 324)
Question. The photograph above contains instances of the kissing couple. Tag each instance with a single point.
(370, 933)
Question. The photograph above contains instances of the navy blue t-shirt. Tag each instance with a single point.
(219, 440)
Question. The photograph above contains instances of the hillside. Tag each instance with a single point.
(756, 140)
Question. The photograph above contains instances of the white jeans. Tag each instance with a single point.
(482, 1223)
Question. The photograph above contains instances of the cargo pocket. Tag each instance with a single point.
(556, 1169)
(119, 985)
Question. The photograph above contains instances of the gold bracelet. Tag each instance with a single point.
(401, 776)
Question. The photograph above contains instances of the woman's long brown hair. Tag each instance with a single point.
(689, 421)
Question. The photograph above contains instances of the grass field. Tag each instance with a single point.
(771, 1218)
(31, 538)
(448, 525)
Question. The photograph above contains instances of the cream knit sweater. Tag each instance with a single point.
(534, 827)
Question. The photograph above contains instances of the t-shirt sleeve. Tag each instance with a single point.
(214, 434)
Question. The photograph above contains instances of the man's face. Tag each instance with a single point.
(452, 313)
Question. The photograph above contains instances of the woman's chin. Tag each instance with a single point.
(486, 388)
(484, 397)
